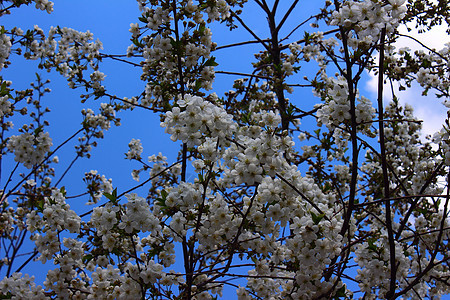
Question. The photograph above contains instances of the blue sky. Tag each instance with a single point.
(109, 21)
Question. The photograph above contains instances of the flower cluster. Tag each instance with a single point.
(69, 52)
(22, 286)
(30, 149)
(44, 5)
(138, 217)
(101, 121)
(173, 58)
(195, 118)
(5, 106)
(242, 200)
(56, 217)
(97, 185)
(135, 150)
(5, 47)
(368, 18)
(336, 109)
(443, 139)
(94, 126)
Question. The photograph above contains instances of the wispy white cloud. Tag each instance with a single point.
(427, 108)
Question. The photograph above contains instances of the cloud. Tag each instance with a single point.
(427, 108)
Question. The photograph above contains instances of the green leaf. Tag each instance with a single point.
(372, 246)
(201, 28)
(40, 205)
(38, 130)
(326, 187)
(8, 295)
(211, 62)
(87, 258)
(162, 201)
(422, 211)
(200, 178)
(176, 44)
(316, 218)
(136, 42)
(407, 56)
(426, 63)
(63, 191)
(4, 90)
(306, 37)
(340, 293)
(112, 197)
(358, 53)
(198, 85)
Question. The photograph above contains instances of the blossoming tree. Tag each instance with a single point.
(354, 206)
